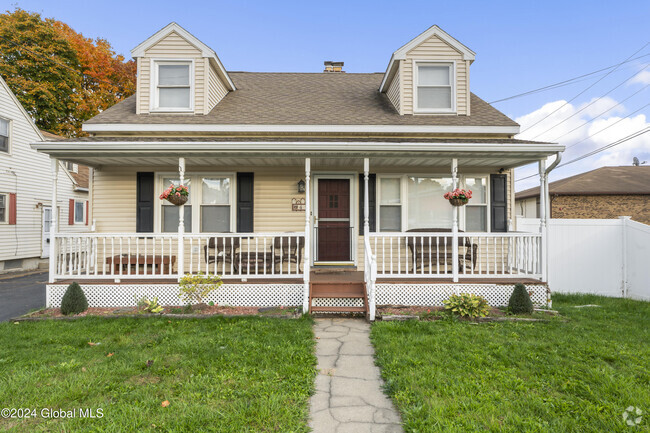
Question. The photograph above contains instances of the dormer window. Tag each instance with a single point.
(173, 86)
(435, 91)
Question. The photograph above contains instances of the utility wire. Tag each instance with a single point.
(592, 102)
(565, 82)
(588, 87)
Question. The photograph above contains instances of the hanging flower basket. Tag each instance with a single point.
(458, 197)
(176, 195)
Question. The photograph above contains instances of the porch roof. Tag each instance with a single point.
(330, 152)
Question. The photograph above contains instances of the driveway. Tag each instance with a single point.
(18, 295)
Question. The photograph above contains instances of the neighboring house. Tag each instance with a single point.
(603, 193)
(278, 166)
(26, 190)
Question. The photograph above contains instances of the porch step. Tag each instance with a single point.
(340, 309)
(338, 290)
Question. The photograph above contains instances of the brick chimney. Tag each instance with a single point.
(331, 66)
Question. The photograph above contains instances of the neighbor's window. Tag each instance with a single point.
(79, 212)
(173, 86)
(427, 207)
(215, 204)
(3, 208)
(4, 135)
(390, 204)
(476, 208)
(170, 211)
(434, 91)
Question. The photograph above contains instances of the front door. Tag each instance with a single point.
(47, 224)
(333, 220)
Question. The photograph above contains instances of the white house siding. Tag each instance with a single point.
(28, 174)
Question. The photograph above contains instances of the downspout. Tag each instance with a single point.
(547, 211)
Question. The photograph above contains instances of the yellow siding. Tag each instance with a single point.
(114, 200)
(144, 83)
(435, 49)
(173, 45)
(216, 89)
(199, 86)
(394, 93)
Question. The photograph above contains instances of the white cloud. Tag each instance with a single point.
(643, 78)
(577, 142)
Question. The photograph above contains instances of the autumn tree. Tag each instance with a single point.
(61, 77)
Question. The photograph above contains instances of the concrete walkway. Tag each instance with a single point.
(348, 395)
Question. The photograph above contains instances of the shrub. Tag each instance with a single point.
(519, 302)
(467, 305)
(74, 301)
(150, 306)
(195, 288)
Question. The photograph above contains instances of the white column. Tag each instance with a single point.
(366, 205)
(370, 281)
(307, 255)
(542, 218)
(181, 223)
(54, 225)
(454, 227)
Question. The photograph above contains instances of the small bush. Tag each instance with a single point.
(74, 301)
(519, 302)
(195, 288)
(148, 306)
(467, 305)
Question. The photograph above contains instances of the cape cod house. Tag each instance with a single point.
(317, 189)
(26, 190)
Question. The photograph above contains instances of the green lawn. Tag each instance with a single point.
(574, 376)
(218, 374)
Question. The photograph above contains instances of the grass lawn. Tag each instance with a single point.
(218, 374)
(574, 376)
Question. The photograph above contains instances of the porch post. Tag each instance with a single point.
(366, 211)
(542, 218)
(54, 225)
(307, 255)
(370, 281)
(454, 227)
(181, 222)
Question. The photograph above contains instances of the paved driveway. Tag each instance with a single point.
(18, 295)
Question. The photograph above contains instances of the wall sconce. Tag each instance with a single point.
(301, 185)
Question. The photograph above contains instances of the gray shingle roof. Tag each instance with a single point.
(306, 99)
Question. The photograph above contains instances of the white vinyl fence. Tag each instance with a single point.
(605, 257)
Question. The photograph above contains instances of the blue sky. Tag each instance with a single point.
(520, 46)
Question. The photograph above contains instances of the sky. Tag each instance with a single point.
(520, 46)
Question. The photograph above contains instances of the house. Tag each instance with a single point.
(606, 192)
(26, 190)
(317, 189)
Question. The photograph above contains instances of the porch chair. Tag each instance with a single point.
(221, 250)
(423, 253)
(287, 249)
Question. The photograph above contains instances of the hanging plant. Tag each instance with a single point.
(176, 195)
(458, 197)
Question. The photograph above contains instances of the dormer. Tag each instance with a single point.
(429, 75)
(177, 73)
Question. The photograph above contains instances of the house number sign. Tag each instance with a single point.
(298, 204)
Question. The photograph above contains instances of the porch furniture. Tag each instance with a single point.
(287, 249)
(254, 262)
(221, 250)
(435, 251)
(123, 262)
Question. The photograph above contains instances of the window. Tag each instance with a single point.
(173, 86)
(170, 213)
(476, 208)
(79, 207)
(71, 166)
(3, 208)
(390, 204)
(427, 208)
(434, 92)
(215, 204)
(4, 135)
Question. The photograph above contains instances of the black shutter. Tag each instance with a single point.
(244, 202)
(499, 202)
(372, 201)
(144, 203)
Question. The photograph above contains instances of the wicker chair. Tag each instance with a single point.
(436, 252)
(288, 249)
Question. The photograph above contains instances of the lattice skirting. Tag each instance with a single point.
(433, 294)
(337, 302)
(127, 295)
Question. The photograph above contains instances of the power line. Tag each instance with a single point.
(565, 82)
(588, 87)
(592, 102)
(600, 149)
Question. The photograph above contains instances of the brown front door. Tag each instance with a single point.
(333, 220)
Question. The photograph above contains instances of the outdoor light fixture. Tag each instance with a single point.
(301, 185)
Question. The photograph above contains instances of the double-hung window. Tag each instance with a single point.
(476, 210)
(4, 135)
(390, 204)
(173, 86)
(434, 91)
(427, 207)
(79, 207)
(215, 204)
(3, 208)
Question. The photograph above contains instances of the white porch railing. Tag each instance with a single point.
(117, 256)
(480, 255)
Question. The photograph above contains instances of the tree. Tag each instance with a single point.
(61, 77)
